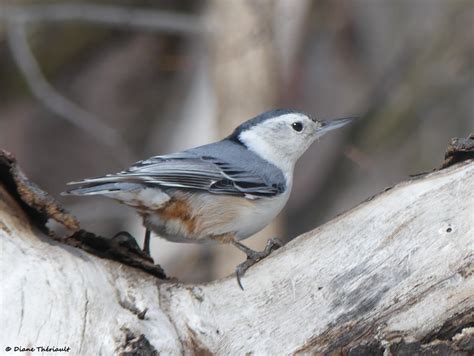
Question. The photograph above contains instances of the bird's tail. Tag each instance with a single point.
(108, 186)
(130, 193)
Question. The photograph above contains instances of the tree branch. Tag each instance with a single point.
(56, 102)
(143, 19)
(17, 17)
(394, 274)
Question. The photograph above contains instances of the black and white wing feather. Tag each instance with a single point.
(188, 171)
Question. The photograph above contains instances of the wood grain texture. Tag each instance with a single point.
(394, 274)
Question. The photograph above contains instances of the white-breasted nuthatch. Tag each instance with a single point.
(224, 191)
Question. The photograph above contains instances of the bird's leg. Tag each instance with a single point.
(253, 257)
(146, 242)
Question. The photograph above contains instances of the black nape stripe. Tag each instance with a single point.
(234, 137)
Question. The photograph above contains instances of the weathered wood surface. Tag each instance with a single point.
(395, 273)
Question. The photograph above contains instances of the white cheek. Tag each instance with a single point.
(278, 157)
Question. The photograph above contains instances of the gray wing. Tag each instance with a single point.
(187, 170)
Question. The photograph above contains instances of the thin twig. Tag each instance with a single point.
(51, 98)
(144, 19)
(17, 17)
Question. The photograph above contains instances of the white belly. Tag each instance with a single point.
(263, 212)
(210, 216)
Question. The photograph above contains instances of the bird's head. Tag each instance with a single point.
(282, 136)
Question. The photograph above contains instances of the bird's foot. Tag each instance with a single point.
(125, 239)
(253, 257)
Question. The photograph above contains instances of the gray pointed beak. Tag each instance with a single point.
(329, 125)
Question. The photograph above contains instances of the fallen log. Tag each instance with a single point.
(394, 274)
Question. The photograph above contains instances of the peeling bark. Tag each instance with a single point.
(460, 149)
(395, 275)
(39, 205)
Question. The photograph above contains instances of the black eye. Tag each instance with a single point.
(297, 126)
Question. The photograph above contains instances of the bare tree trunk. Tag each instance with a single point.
(393, 274)
(246, 83)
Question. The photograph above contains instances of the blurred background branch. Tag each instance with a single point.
(18, 17)
(53, 100)
(136, 18)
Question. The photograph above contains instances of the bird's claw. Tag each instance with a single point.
(253, 257)
(124, 238)
(273, 244)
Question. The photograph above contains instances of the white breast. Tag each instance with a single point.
(213, 215)
(240, 216)
(263, 212)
